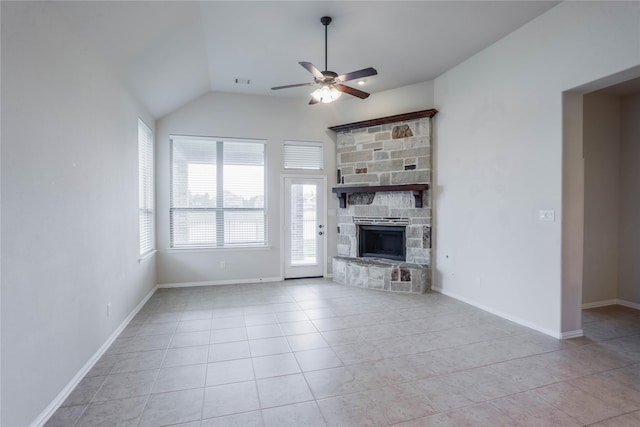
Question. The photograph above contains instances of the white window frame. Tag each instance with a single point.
(286, 144)
(146, 191)
(217, 246)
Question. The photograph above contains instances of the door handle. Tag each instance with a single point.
(321, 226)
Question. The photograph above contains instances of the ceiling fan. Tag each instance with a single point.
(330, 83)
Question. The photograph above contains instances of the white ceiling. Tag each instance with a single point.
(170, 52)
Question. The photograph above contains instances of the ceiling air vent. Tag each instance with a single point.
(240, 81)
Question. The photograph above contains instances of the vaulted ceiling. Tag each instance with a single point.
(170, 52)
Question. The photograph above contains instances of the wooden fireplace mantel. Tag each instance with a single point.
(417, 190)
(385, 120)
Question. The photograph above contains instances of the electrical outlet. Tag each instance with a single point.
(223, 264)
(108, 309)
(546, 215)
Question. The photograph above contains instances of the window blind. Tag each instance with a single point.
(303, 155)
(145, 187)
(217, 193)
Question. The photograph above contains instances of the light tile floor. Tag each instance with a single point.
(313, 353)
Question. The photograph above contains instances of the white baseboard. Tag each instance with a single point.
(629, 304)
(571, 334)
(609, 302)
(599, 304)
(62, 396)
(220, 282)
(555, 334)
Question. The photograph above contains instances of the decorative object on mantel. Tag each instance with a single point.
(330, 82)
(416, 189)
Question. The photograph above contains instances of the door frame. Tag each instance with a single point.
(323, 217)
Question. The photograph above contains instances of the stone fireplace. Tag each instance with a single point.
(384, 220)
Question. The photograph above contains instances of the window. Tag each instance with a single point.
(217, 193)
(303, 155)
(145, 187)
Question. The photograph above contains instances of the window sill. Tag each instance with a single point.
(146, 256)
(230, 249)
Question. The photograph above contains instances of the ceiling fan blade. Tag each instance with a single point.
(365, 72)
(312, 69)
(295, 85)
(351, 91)
(313, 101)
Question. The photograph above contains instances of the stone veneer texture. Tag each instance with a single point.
(373, 156)
(390, 154)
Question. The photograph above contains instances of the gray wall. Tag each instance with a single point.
(69, 208)
(629, 267)
(498, 159)
(601, 139)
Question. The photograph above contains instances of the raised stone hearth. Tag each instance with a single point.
(381, 274)
(385, 157)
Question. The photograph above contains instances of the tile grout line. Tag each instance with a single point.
(206, 369)
(155, 379)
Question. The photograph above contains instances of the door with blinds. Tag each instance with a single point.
(305, 234)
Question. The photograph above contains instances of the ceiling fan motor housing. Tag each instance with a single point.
(329, 77)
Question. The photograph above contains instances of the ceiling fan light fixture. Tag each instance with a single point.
(326, 94)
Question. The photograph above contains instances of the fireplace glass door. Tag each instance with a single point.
(305, 233)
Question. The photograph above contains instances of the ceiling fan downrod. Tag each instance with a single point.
(326, 20)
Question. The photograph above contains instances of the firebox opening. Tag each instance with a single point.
(382, 241)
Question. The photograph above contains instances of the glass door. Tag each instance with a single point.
(304, 229)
